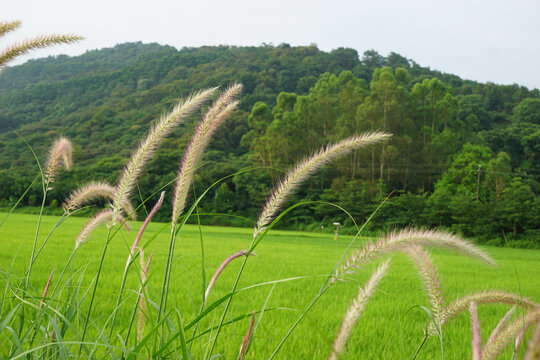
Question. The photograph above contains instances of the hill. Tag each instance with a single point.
(464, 154)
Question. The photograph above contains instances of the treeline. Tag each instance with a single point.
(464, 155)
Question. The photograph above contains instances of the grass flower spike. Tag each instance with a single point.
(476, 337)
(401, 240)
(102, 217)
(427, 271)
(305, 168)
(220, 270)
(148, 146)
(60, 153)
(214, 117)
(356, 308)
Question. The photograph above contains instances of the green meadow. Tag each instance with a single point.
(391, 327)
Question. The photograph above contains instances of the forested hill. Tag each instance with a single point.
(464, 155)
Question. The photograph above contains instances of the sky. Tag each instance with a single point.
(496, 41)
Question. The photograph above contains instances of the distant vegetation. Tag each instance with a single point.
(464, 155)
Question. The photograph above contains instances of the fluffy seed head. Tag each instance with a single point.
(60, 153)
(400, 240)
(501, 325)
(8, 26)
(142, 307)
(220, 270)
(147, 147)
(509, 333)
(427, 271)
(102, 217)
(305, 168)
(92, 191)
(38, 42)
(46, 290)
(533, 348)
(213, 118)
(356, 308)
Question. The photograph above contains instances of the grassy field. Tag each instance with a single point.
(390, 328)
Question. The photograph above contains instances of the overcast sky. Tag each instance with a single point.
(483, 40)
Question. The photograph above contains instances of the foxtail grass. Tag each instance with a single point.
(9, 26)
(93, 191)
(503, 322)
(307, 167)
(147, 147)
(60, 152)
(221, 268)
(102, 217)
(509, 333)
(38, 42)
(357, 306)
(213, 118)
(400, 240)
(533, 347)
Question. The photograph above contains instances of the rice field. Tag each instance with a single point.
(391, 327)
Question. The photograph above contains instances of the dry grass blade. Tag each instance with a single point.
(60, 153)
(501, 325)
(533, 347)
(305, 168)
(247, 338)
(476, 334)
(102, 217)
(38, 42)
(147, 147)
(509, 333)
(213, 118)
(400, 240)
(8, 26)
(356, 308)
(427, 271)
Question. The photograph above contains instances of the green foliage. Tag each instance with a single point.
(295, 100)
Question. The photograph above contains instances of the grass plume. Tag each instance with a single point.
(148, 146)
(427, 271)
(213, 118)
(38, 42)
(221, 268)
(533, 348)
(356, 308)
(46, 290)
(102, 217)
(509, 333)
(400, 240)
(459, 305)
(60, 152)
(305, 168)
(9, 26)
(501, 325)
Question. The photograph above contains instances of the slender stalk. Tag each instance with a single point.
(88, 313)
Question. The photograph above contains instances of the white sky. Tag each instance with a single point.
(483, 40)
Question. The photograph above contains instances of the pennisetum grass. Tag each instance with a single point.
(221, 268)
(95, 190)
(357, 306)
(510, 332)
(136, 165)
(142, 307)
(213, 118)
(533, 348)
(501, 325)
